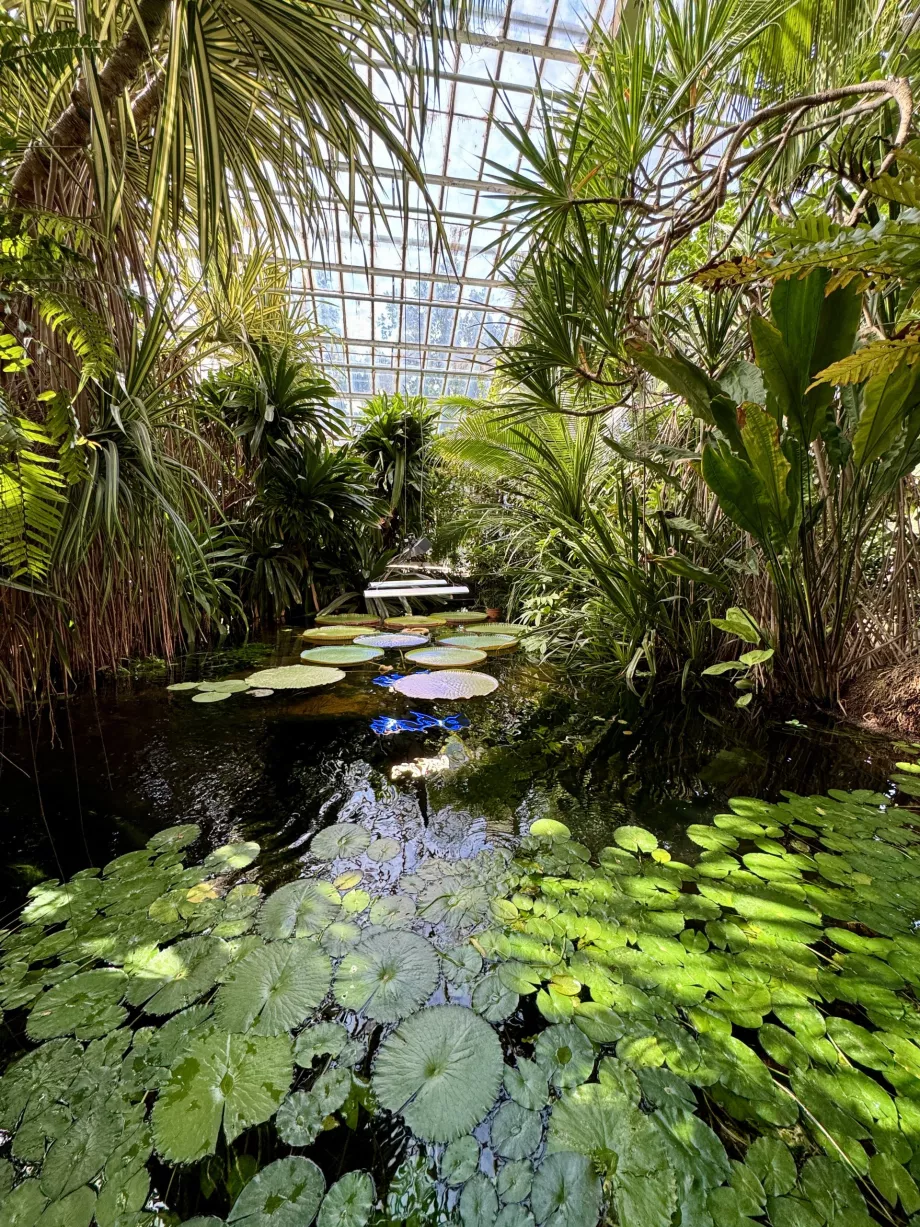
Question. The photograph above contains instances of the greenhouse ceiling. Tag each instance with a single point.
(396, 313)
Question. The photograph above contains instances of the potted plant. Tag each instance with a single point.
(492, 592)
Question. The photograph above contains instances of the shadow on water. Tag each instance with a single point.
(134, 759)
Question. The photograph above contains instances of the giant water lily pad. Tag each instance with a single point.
(446, 658)
(287, 1193)
(211, 696)
(274, 988)
(232, 685)
(481, 643)
(463, 617)
(220, 1079)
(499, 628)
(415, 620)
(401, 643)
(387, 976)
(345, 654)
(446, 684)
(346, 619)
(328, 635)
(440, 1070)
(294, 677)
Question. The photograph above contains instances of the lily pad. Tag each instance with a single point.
(347, 654)
(566, 1054)
(478, 1202)
(342, 839)
(274, 988)
(384, 849)
(493, 1000)
(415, 620)
(85, 1005)
(446, 658)
(177, 975)
(346, 619)
(349, 1202)
(178, 686)
(287, 1193)
(300, 909)
(516, 1131)
(220, 1079)
(300, 1119)
(231, 856)
(295, 677)
(398, 642)
(445, 685)
(464, 617)
(392, 911)
(80, 1153)
(328, 635)
(498, 628)
(211, 696)
(566, 1192)
(440, 1070)
(514, 1182)
(387, 976)
(322, 1039)
(527, 1084)
(233, 685)
(481, 643)
(460, 1160)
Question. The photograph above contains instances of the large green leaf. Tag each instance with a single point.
(736, 486)
(887, 399)
(172, 978)
(349, 1202)
(37, 1080)
(300, 909)
(515, 1131)
(388, 975)
(342, 839)
(287, 1193)
(86, 1005)
(566, 1193)
(761, 440)
(273, 989)
(441, 1071)
(782, 375)
(221, 1079)
(80, 1153)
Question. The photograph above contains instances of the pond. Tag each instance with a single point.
(572, 962)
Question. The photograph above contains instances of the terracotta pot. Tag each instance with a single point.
(493, 614)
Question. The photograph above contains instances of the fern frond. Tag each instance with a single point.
(876, 358)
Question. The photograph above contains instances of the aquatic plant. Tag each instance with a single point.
(728, 1040)
(295, 677)
(446, 658)
(401, 641)
(481, 643)
(346, 654)
(332, 634)
(445, 684)
(415, 620)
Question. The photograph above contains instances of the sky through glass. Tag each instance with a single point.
(395, 315)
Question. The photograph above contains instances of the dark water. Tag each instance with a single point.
(133, 759)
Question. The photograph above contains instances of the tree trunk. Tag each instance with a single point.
(70, 133)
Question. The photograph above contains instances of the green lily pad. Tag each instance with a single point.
(446, 684)
(220, 1079)
(346, 619)
(566, 1054)
(232, 685)
(446, 658)
(460, 1160)
(527, 1084)
(274, 988)
(80, 1153)
(478, 1202)
(635, 839)
(231, 856)
(174, 977)
(481, 643)
(349, 1202)
(771, 1162)
(499, 628)
(440, 1070)
(514, 1181)
(342, 655)
(340, 937)
(300, 909)
(287, 1193)
(387, 976)
(300, 1119)
(74, 1210)
(415, 620)
(322, 1039)
(549, 828)
(331, 635)
(566, 1192)
(516, 1131)
(384, 849)
(85, 1005)
(463, 617)
(211, 696)
(294, 677)
(342, 839)
(179, 686)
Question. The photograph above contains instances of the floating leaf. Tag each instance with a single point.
(85, 1005)
(294, 677)
(527, 1084)
(387, 976)
(392, 911)
(300, 1119)
(566, 1054)
(402, 642)
(770, 1161)
(300, 909)
(342, 655)
(463, 617)
(74, 1210)
(415, 620)
(183, 686)
(211, 696)
(440, 1070)
(232, 685)
(322, 1039)
(566, 1193)
(635, 839)
(481, 643)
(460, 1160)
(384, 849)
(514, 1181)
(231, 856)
(493, 1000)
(174, 977)
(234, 1080)
(346, 619)
(287, 1193)
(478, 1202)
(349, 1202)
(274, 988)
(80, 1153)
(549, 828)
(342, 839)
(446, 658)
(339, 937)
(516, 1131)
(445, 685)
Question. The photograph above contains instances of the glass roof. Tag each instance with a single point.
(395, 314)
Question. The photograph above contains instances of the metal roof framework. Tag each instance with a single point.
(397, 313)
